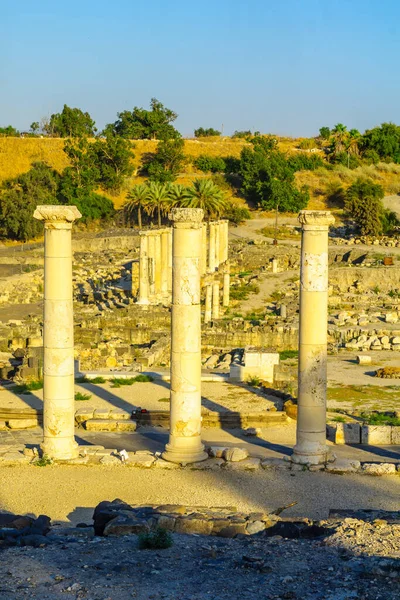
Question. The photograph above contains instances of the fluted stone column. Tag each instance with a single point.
(157, 264)
(164, 262)
(226, 284)
(208, 304)
(58, 337)
(215, 300)
(310, 445)
(143, 270)
(217, 242)
(203, 269)
(170, 260)
(211, 248)
(184, 444)
(151, 266)
(223, 241)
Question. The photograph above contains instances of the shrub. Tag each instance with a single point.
(307, 144)
(253, 381)
(80, 397)
(388, 373)
(236, 214)
(207, 163)
(206, 132)
(26, 388)
(285, 354)
(371, 157)
(159, 539)
(363, 203)
(305, 162)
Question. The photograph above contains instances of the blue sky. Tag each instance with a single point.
(283, 66)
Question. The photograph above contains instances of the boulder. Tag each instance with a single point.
(235, 454)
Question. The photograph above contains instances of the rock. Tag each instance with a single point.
(165, 464)
(84, 414)
(211, 464)
(344, 433)
(391, 318)
(137, 459)
(101, 413)
(106, 511)
(252, 431)
(379, 468)
(193, 524)
(126, 425)
(275, 463)
(395, 435)
(211, 361)
(119, 415)
(22, 423)
(235, 454)
(125, 524)
(3, 426)
(15, 458)
(247, 464)
(254, 527)
(36, 541)
(110, 460)
(216, 451)
(101, 425)
(343, 465)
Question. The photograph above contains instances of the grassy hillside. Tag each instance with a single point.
(17, 155)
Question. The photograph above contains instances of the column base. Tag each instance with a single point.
(60, 449)
(305, 456)
(184, 456)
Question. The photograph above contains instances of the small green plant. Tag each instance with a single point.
(79, 396)
(158, 539)
(253, 381)
(164, 400)
(285, 354)
(241, 292)
(84, 379)
(119, 381)
(45, 461)
(339, 419)
(27, 388)
(144, 378)
(376, 289)
(377, 418)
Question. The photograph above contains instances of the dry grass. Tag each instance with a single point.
(18, 154)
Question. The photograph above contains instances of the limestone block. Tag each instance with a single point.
(84, 414)
(391, 317)
(378, 435)
(344, 433)
(216, 451)
(22, 423)
(275, 463)
(15, 458)
(343, 465)
(165, 464)
(235, 454)
(101, 425)
(3, 426)
(119, 415)
(379, 468)
(193, 524)
(395, 435)
(144, 460)
(126, 425)
(111, 460)
(125, 524)
(210, 464)
(101, 413)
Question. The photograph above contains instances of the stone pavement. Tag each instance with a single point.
(272, 442)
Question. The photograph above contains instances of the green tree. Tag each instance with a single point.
(137, 199)
(206, 132)
(167, 161)
(9, 131)
(19, 198)
(325, 133)
(364, 204)
(35, 127)
(339, 135)
(178, 194)
(113, 161)
(384, 140)
(158, 199)
(71, 122)
(206, 195)
(143, 124)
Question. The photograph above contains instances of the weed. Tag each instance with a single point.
(339, 419)
(27, 388)
(143, 378)
(116, 382)
(376, 289)
(79, 396)
(164, 400)
(242, 292)
(253, 381)
(285, 354)
(379, 418)
(45, 461)
(155, 540)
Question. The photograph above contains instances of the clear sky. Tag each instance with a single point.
(280, 66)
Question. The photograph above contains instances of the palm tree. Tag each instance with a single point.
(339, 135)
(351, 143)
(178, 194)
(158, 198)
(206, 195)
(137, 198)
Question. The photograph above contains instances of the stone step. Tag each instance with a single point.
(110, 425)
(225, 420)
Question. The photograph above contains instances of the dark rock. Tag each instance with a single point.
(125, 525)
(34, 540)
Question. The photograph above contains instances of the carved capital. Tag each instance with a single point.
(186, 215)
(315, 219)
(56, 216)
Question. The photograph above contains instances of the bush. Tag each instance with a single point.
(80, 397)
(206, 132)
(159, 539)
(26, 388)
(307, 144)
(347, 160)
(207, 163)
(94, 206)
(236, 214)
(305, 162)
(285, 354)
(364, 205)
(371, 157)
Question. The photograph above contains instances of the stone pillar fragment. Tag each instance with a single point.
(203, 269)
(226, 285)
(143, 270)
(310, 445)
(170, 260)
(211, 248)
(208, 304)
(274, 265)
(223, 241)
(217, 243)
(151, 266)
(157, 264)
(164, 262)
(215, 300)
(58, 338)
(184, 444)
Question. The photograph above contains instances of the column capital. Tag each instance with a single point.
(315, 219)
(189, 216)
(56, 216)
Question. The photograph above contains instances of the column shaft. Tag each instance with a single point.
(226, 286)
(215, 300)
(208, 304)
(211, 248)
(203, 269)
(151, 266)
(184, 444)
(312, 377)
(143, 270)
(217, 243)
(58, 336)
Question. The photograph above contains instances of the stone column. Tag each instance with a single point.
(151, 267)
(204, 249)
(215, 300)
(143, 269)
(217, 242)
(164, 262)
(274, 265)
(58, 338)
(226, 240)
(211, 248)
(208, 303)
(184, 444)
(223, 241)
(170, 260)
(310, 445)
(157, 264)
(226, 286)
